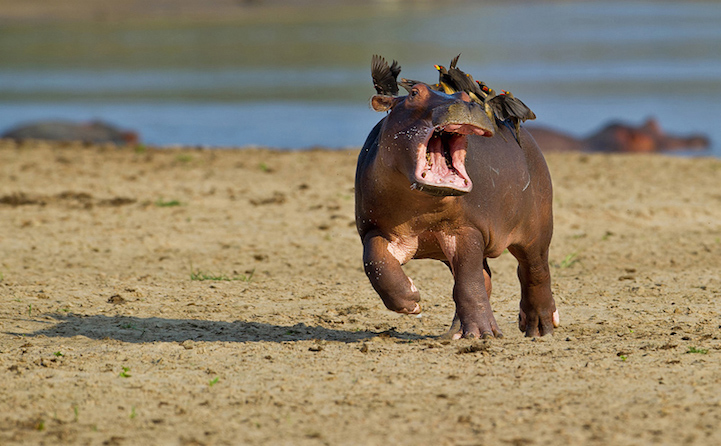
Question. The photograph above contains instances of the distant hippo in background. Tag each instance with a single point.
(90, 132)
(618, 137)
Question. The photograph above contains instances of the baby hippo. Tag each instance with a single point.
(436, 179)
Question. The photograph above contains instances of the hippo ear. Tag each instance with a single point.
(381, 103)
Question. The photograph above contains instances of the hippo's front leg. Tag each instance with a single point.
(471, 293)
(387, 277)
(455, 330)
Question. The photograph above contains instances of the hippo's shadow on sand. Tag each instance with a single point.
(153, 329)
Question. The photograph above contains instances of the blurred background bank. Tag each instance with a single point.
(294, 75)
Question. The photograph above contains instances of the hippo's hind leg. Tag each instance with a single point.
(538, 315)
(387, 277)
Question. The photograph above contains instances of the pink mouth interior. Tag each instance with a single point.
(442, 165)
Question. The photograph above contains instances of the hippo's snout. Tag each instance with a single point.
(463, 113)
(440, 165)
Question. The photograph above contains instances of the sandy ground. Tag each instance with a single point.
(108, 335)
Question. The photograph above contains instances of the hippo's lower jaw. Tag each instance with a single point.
(441, 161)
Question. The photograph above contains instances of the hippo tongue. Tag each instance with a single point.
(437, 160)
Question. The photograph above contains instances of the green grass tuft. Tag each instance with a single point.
(569, 260)
(200, 275)
(166, 204)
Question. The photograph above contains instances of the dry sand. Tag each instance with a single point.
(106, 339)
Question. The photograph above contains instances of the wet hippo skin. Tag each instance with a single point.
(436, 179)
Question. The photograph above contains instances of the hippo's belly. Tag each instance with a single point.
(437, 245)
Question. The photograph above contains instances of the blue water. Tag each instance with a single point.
(304, 83)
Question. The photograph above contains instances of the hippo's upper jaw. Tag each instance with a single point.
(441, 160)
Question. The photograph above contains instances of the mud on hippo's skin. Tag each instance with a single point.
(434, 181)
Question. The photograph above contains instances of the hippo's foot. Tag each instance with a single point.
(483, 329)
(387, 277)
(416, 309)
(536, 324)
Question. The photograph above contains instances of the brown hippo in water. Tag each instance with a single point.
(618, 137)
(434, 182)
(90, 132)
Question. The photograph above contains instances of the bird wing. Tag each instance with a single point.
(384, 76)
(498, 105)
(395, 69)
(465, 82)
(454, 62)
(517, 108)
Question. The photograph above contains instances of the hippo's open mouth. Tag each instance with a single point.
(441, 162)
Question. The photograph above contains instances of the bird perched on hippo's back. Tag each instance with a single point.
(504, 107)
(508, 107)
(487, 91)
(457, 80)
(408, 84)
(474, 89)
(446, 83)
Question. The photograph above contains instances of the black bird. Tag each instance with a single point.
(445, 81)
(508, 107)
(462, 81)
(409, 83)
(488, 92)
(465, 82)
(384, 76)
(476, 90)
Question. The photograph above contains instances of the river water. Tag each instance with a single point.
(303, 81)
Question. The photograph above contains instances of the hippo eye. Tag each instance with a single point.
(414, 92)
